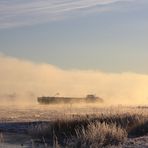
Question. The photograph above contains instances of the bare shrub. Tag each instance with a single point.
(98, 135)
(139, 129)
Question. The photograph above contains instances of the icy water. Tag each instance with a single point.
(14, 120)
(38, 112)
(13, 140)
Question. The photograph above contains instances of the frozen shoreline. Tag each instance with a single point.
(26, 142)
(15, 135)
(15, 121)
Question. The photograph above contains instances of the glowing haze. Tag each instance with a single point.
(22, 79)
(75, 48)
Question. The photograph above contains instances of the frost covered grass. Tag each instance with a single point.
(98, 129)
(98, 135)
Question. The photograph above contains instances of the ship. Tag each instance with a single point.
(90, 98)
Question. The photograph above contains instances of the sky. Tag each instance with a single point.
(88, 41)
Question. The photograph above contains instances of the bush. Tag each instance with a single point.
(98, 135)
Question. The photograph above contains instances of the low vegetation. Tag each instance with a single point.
(93, 130)
(98, 135)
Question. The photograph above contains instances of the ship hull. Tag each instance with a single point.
(57, 100)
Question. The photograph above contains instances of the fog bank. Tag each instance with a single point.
(24, 80)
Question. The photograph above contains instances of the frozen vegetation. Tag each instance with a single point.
(83, 126)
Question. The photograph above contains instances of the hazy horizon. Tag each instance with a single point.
(74, 48)
(26, 80)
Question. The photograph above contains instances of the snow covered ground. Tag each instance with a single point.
(140, 142)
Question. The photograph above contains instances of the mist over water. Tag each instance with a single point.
(23, 81)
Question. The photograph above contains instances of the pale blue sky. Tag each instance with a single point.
(108, 35)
